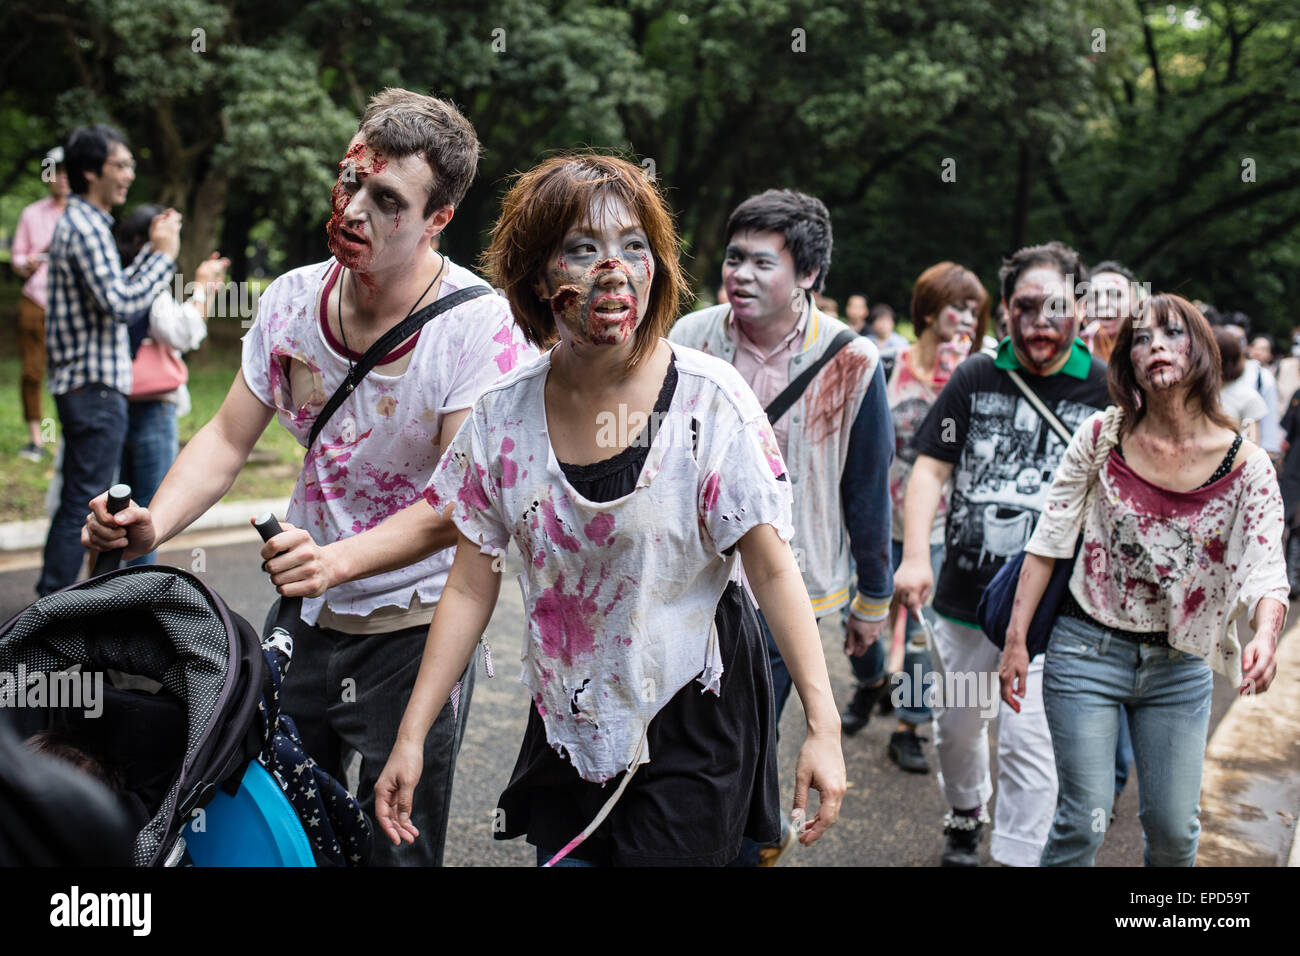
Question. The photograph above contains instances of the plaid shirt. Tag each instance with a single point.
(93, 299)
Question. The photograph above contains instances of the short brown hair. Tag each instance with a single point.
(1205, 373)
(1056, 254)
(403, 123)
(940, 286)
(544, 203)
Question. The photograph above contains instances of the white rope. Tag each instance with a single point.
(605, 810)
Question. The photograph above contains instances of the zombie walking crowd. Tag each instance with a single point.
(1074, 487)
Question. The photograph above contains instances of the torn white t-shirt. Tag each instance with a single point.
(619, 596)
(379, 449)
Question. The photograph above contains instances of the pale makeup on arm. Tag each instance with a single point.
(920, 505)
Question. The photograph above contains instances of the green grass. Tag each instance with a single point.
(272, 467)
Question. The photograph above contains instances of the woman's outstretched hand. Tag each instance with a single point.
(821, 767)
(394, 791)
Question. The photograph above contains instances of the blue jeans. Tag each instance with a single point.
(1123, 757)
(869, 669)
(149, 451)
(1090, 677)
(93, 419)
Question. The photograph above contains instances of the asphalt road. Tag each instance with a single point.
(889, 818)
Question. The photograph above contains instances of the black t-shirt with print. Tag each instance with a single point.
(1004, 456)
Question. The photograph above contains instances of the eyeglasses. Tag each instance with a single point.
(122, 164)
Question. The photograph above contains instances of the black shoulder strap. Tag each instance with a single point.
(386, 343)
(790, 394)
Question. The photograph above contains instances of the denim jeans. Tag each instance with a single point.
(1090, 678)
(870, 668)
(1123, 757)
(93, 419)
(149, 451)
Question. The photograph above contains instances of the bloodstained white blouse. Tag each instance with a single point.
(619, 596)
(1193, 563)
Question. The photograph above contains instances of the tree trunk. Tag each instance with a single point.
(235, 226)
(1024, 185)
(202, 220)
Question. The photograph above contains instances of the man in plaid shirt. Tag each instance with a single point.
(92, 299)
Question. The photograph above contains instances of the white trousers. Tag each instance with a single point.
(965, 659)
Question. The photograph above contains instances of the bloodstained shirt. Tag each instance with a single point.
(619, 596)
(378, 451)
(1193, 563)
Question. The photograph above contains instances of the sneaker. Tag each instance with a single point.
(905, 750)
(858, 714)
(962, 838)
(32, 453)
(771, 854)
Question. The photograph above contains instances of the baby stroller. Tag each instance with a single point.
(189, 718)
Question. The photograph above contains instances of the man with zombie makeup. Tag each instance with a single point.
(368, 597)
(1112, 297)
(837, 438)
(986, 436)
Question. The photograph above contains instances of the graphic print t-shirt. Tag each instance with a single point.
(1004, 455)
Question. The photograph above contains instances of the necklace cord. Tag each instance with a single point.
(347, 350)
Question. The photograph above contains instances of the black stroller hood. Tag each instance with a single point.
(164, 624)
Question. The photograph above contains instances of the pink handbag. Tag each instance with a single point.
(156, 371)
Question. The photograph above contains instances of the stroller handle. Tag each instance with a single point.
(286, 618)
(119, 496)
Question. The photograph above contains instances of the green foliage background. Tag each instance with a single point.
(1123, 127)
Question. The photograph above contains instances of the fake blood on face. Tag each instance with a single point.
(345, 239)
(601, 276)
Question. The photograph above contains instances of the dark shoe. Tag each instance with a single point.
(905, 750)
(858, 714)
(885, 705)
(32, 453)
(962, 838)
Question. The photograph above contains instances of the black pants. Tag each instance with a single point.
(348, 692)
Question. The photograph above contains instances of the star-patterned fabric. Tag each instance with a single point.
(337, 828)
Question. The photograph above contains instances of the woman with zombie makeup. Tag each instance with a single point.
(949, 311)
(630, 473)
(1182, 546)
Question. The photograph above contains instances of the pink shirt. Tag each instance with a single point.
(767, 375)
(35, 230)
